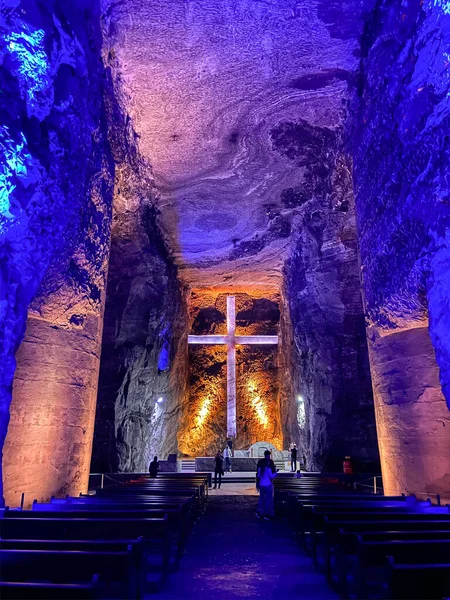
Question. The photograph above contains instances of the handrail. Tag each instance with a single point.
(374, 485)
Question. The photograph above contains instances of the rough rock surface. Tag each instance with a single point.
(329, 366)
(402, 152)
(143, 352)
(55, 204)
(203, 426)
(240, 107)
(206, 84)
(143, 372)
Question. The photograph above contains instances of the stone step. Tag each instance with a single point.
(188, 466)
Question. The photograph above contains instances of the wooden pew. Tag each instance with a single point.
(330, 524)
(347, 547)
(118, 574)
(374, 554)
(137, 492)
(178, 524)
(25, 590)
(414, 581)
(338, 535)
(154, 533)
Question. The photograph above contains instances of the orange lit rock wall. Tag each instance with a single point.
(49, 441)
(413, 421)
(203, 424)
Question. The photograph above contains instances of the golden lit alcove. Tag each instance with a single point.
(203, 427)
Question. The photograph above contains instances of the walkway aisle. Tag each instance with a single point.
(231, 555)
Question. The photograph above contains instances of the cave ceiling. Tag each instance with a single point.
(215, 89)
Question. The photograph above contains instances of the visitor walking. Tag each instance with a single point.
(218, 469)
(154, 467)
(230, 446)
(294, 458)
(227, 457)
(264, 477)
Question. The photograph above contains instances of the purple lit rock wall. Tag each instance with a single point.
(402, 177)
(332, 414)
(55, 201)
(144, 346)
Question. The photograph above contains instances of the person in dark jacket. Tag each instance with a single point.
(294, 458)
(218, 468)
(154, 467)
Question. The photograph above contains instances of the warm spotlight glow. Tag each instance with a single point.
(257, 404)
(260, 411)
(300, 399)
(203, 412)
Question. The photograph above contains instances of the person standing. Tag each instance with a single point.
(154, 467)
(294, 458)
(265, 474)
(226, 455)
(230, 446)
(218, 469)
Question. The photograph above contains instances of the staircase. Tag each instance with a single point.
(188, 465)
(279, 464)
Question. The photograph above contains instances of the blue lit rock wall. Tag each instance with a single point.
(55, 202)
(402, 177)
(329, 408)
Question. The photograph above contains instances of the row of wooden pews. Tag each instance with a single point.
(369, 546)
(122, 542)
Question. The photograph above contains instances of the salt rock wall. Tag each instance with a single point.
(203, 428)
(55, 210)
(402, 173)
(144, 348)
(143, 370)
(329, 408)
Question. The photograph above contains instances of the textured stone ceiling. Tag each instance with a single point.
(207, 85)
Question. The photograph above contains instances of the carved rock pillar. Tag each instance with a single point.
(413, 421)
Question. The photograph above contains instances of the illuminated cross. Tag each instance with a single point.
(231, 339)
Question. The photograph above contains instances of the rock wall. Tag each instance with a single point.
(329, 409)
(143, 371)
(203, 429)
(55, 203)
(401, 170)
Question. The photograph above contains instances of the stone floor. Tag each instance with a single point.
(234, 489)
(232, 555)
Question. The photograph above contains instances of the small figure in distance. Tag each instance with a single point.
(226, 455)
(298, 475)
(154, 467)
(294, 458)
(218, 469)
(265, 474)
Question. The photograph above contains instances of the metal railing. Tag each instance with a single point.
(376, 484)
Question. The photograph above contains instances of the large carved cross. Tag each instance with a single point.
(230, 340)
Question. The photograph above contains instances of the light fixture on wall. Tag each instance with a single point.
(301, 412)
(160, 400)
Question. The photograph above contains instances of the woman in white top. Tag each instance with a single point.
(226, 455)
(266, 474)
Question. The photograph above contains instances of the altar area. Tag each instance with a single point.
(247, 460)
